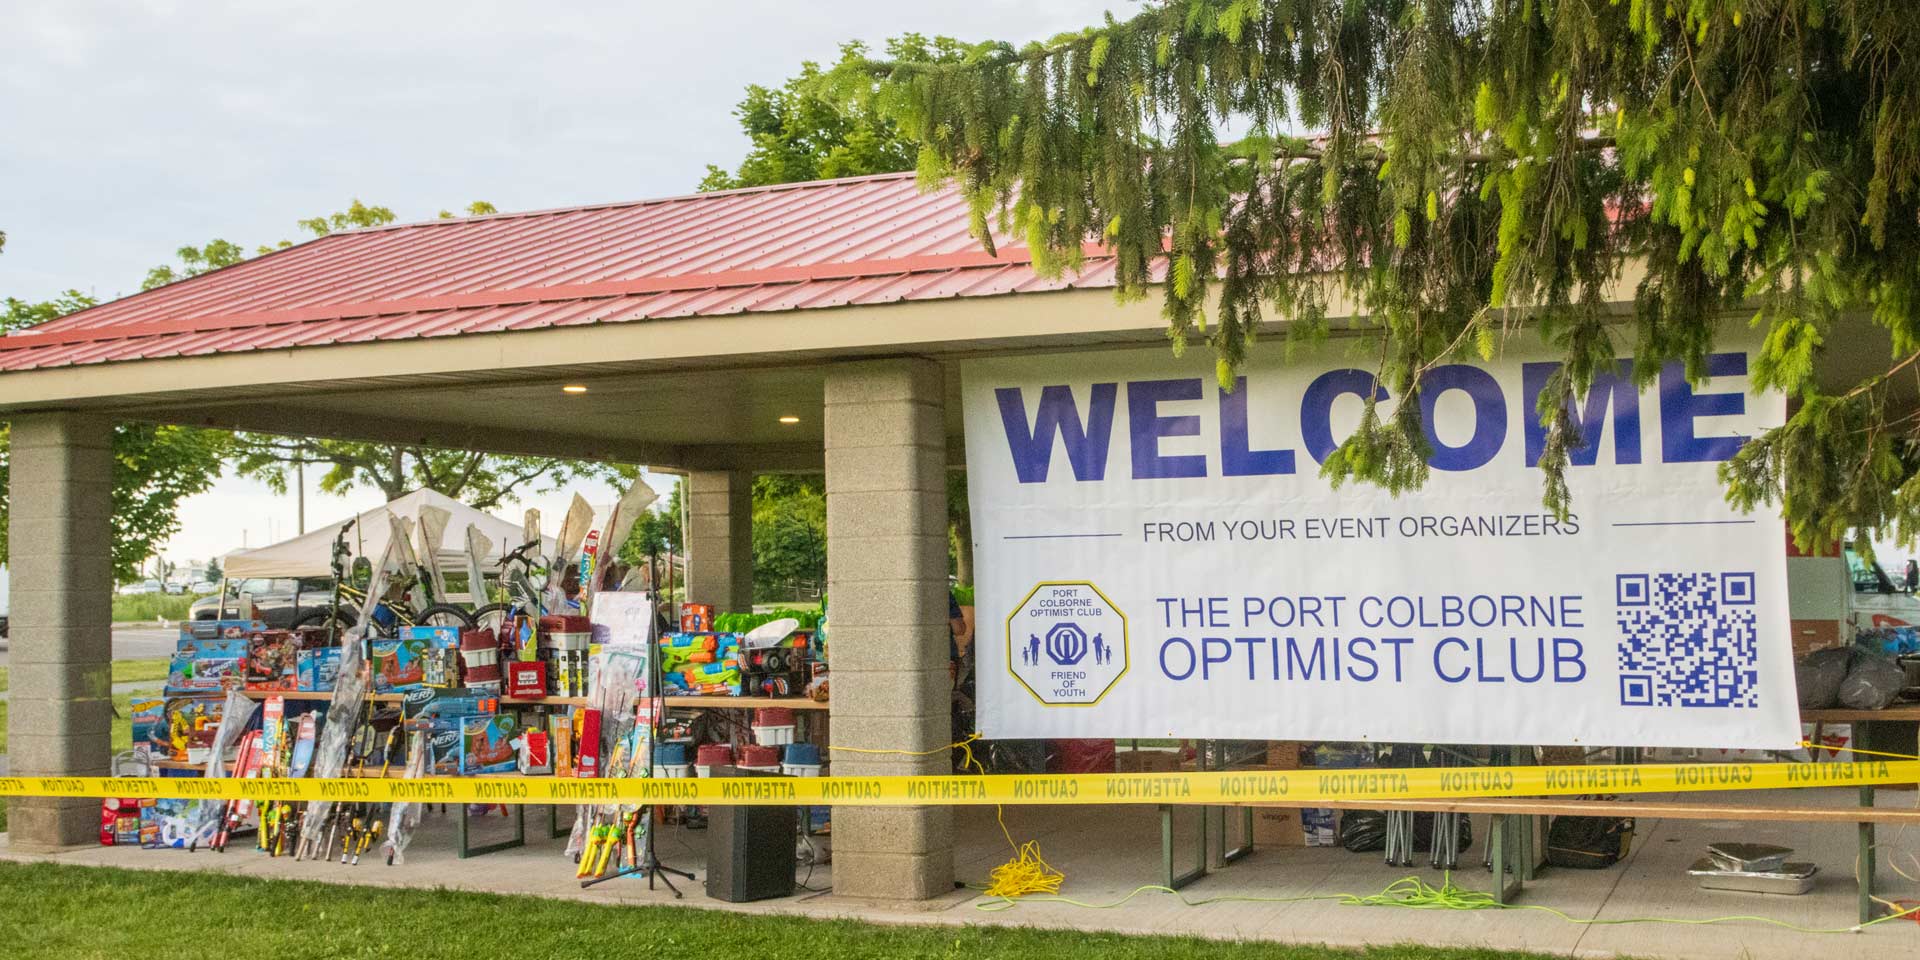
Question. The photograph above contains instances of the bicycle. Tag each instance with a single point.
(350, 582)
(516, 582)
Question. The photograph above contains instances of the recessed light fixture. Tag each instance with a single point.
(789, 419)
(574, 388)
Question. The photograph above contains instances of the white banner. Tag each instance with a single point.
(1159, 558)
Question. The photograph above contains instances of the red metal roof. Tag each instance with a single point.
(798, 246)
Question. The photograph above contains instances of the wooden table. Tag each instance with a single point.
(1862, 721)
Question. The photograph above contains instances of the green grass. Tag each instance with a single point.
(152, 606)
(115, 914)
(135, 671)
(124, 671)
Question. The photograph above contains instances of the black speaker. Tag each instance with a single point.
(750, 849)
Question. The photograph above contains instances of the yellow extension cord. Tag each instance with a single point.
(1028, 873)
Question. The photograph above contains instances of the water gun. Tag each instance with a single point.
(682, 648)
(726, 671)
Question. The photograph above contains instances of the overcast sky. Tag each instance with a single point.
(130, 128)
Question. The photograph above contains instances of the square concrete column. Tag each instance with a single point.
(61, 644)
(887, 619)
(720, 539)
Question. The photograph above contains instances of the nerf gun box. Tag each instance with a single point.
(434, 702)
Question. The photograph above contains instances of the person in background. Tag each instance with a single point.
(956, 630)
(960, 671)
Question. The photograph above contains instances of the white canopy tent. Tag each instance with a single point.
(311, 553)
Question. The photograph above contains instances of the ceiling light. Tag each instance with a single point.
(789, 419)
(574, 388)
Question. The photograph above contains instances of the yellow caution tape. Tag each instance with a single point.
(1229, 787)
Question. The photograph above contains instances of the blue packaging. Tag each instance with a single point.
(319, 669)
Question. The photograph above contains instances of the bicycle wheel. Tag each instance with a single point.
(491, 616)
(444, 615)
(343, 617)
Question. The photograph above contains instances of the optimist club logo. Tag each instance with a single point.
(1067, 644)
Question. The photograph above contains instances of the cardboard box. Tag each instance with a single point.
(489, 744)
(1322, 826)
(1147, 761)
(204, 665)
(319, 669)
(399, 665)
(438, 638)
(1811, 635)
(1278, 827)
(273, 661)
(1283, 755)
(465, 746)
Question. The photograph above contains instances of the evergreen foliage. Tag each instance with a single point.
(1476, 166)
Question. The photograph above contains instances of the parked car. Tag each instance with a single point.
(139, 587)
(282, 603)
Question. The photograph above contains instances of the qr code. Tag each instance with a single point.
(1687, 639)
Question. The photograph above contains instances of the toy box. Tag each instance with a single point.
(185, 727)
(119, 821)
(586, 742)
(441, 638)
(466, 746)
(273, 661)
(696, 617)
(319, 669)
(439, 652)
(204, 665)
(431, 702)
(443, 746)
(173, 822)
(527, 680)
(149, 722)
(399, 665)
(536, 753)
(560, 734)
(193, 631)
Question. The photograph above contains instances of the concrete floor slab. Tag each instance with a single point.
(1108, 853)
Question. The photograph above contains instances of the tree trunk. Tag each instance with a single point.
(960, 527)
(960, 531)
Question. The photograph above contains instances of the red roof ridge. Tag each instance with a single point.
(631, 204)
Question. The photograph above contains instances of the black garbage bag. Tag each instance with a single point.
(1588, 843)
(1364, 831)
(1872, 682)
(1423, 828)
(1819, 675)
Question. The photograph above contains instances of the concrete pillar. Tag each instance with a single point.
(61, 631)
(887, 612)
(720, 539)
